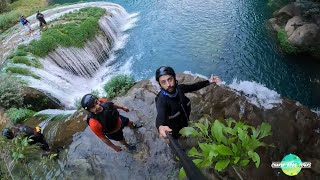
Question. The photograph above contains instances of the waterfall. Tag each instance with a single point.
(69, 73)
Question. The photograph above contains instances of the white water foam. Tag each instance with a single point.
(257, 94)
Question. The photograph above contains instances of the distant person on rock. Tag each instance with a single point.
(32, 133)
(26, 25)
(173, 107)
(106, 122)
(41, 19)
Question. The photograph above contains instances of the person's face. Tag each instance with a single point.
(167, 83)
(96, 107)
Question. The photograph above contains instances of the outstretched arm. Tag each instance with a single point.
(109, 143)
(199, 85)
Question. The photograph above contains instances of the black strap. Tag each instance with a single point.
(192, 171)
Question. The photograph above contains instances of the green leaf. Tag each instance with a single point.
(193, 152)
(236, 159)
(202, 128)
(265, 129)
(230, 121)
(255, 157)
(182, 173)
(217, 132)
(189, 131)
(255, 132)
(205, 163)
(224, 150)
(231, 140)
(206, 148)
(21, 156)
(222, 164)
(230, 131)
(234, 148)
(244, 162)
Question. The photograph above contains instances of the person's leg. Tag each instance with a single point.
(126, 122)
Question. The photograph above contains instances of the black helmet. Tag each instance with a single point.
(165, 70)
(87, 101)
(7, 133)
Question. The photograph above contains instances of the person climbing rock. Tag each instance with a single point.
(106, 122)
(32, 133)
(41, 19)
(173, 107)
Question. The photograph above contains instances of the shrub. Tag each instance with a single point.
(10, 92)
(8, 19)
(21, 60)
(19, 115)
(20, 70)
(225, 145)
(21, 52)
(118, 85)
(19, 160)
(285, 44)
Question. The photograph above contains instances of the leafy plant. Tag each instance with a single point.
(10, 92)
(222, 145)
(20, 70)
(19, 160)
(19, 115)
(118, 85)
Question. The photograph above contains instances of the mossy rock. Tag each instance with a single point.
(37, 100)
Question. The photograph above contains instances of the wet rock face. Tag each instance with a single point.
(294, 127)
(39, 101)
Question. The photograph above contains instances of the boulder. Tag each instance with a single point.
(286, 13)
(274, 24)
(39, 101)
(305, 35)
(293, 24)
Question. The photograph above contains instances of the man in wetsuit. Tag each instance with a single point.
(41, 19)
(173, 107)
(32, 133)
(106, 122)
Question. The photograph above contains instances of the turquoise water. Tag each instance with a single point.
(225, 37)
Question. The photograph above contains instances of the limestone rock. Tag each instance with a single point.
(293, 24)
(305, 35)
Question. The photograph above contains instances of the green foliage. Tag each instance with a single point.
(10, 92)
(285, 44)
(118, 85)
(20, 70)
(26, 60)
(225, 144)
(19, 160)
(21, 60)
(21, 52)
(19, 115)
(8, 19)
(82, 25)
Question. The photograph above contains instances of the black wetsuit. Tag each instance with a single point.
(175, 111)
(32, 134)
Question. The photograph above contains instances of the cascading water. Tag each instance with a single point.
(68, 73)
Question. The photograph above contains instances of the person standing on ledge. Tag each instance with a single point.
(173, 107)
(106, 122)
